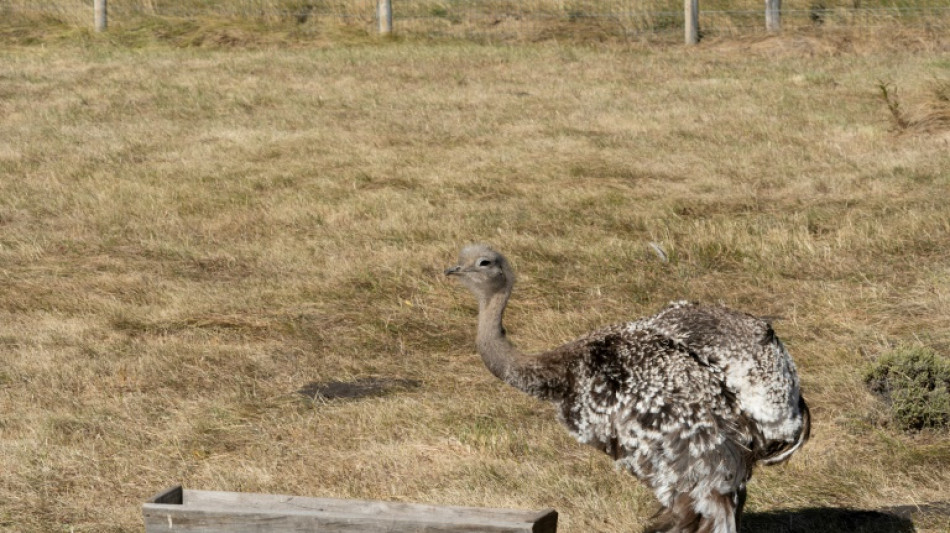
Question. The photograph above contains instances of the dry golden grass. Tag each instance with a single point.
(190, 235)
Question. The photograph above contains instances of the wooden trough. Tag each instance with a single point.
(192, 511)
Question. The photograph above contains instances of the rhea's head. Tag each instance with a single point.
(483, 270)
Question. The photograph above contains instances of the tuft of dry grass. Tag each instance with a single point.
(931, 116)
(189, 235)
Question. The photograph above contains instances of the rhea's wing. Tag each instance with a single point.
(658, 409)
(755, 363)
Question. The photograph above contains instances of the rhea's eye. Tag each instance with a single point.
(484, 263)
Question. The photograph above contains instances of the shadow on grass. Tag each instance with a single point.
(897, 519)
(357, 389)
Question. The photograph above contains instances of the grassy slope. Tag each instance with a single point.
(187, 236)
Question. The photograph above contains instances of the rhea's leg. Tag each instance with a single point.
(717, 513)
(680, 517)
(740, 504)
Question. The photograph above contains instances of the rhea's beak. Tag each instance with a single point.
(453, 270)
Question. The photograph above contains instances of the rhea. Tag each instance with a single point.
(688, 400)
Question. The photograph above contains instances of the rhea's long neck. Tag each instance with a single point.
(543, 376)
(498, 354)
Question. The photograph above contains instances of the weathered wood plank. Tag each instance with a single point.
(212, 511)
(253, 501)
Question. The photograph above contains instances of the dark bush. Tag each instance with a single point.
(915, 382)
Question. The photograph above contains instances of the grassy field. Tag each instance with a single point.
(190, 235)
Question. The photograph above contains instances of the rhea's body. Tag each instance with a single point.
(688, 400)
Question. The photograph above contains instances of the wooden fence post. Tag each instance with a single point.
(101, 16)
(384, 16)
(773, 15)
(691, 12)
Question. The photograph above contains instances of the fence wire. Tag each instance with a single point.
(502, 17)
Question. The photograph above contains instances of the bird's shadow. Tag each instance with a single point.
(897, 519)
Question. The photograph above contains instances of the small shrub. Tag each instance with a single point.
(915, 382)
(889, 95)
(932, 115)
